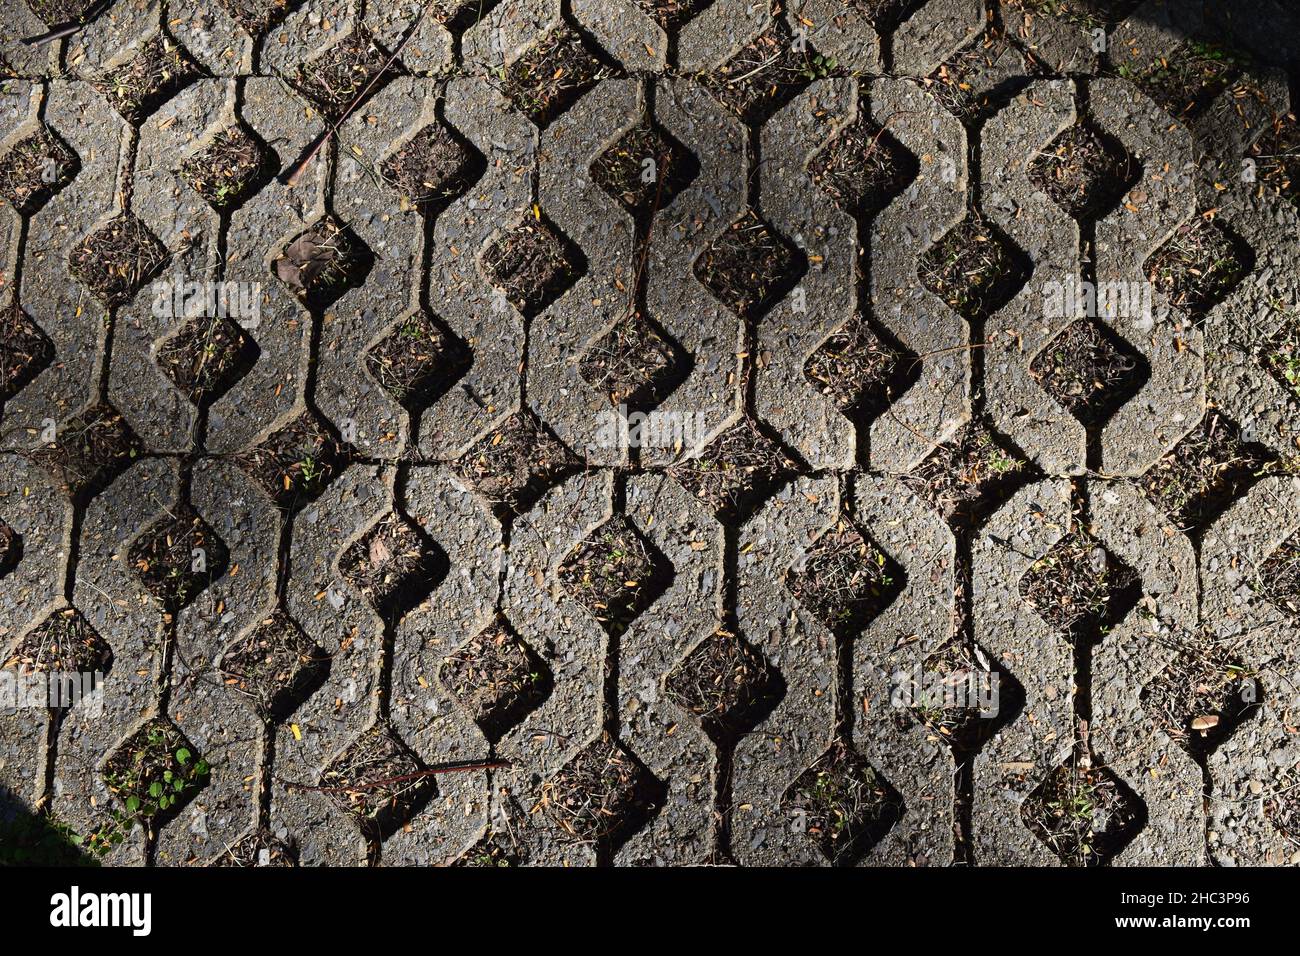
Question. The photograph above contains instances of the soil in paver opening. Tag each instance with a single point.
(623, 172)
(552, 75)
(230, 169)
(862, 369)
(845, 804)
(885, 15)
(90, 450)
(1186, 80)
(1084, 171)
(515, 463)
(493, 850)
(154, 774)
(11, 549)
(1090, 371)
(116, 261)
(845, 580)
(57, 12)
(1280, 355)
(750, 267)
(64, 642)
(616, 573)
(276, 666)
(260, 848)
(1205, 472)
(258, 16)
(767, 73)
(433, 167)
(1278, 578)
(372, 782)
(297, 461)
(334, 79)
(418, 361)
(25, 351)
(1199, 266)
(323, 262)
(863, 168)
(727, 683)
(159, 70)
(736, 472)
(673, 14)
(974, 268)
(497, 678)
(970, 475)
(1079, 588)
(177, 558)
(957, 720)
(634, 364)
(1277, 157)
(1084, 13)
(1200, 697)
(206, 358)
(533, 264)
(394, 566)
(1282, 808)
(982, 75)
(1084, 814)
(603, 795)
(36, 168)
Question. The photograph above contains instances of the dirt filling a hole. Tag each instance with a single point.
(64, 643)
(497, 678)
(154, 774)
(25, 351)
(432, 168)
(323, 262)
(1185, 81)
(276, 666)
(515, 463)
(767, 73)
(735, 472)
(1199, 266)
(177, 558)
(117, 260)
(643, 167)
(533, 265)
(394, 566)
(1084, 814)
(229, 170)
(861, 370)
(633, 364)
(845, 580)
(297, 461)
(551, 75)
(970, 475)
(1079, 588)
(844, 805)
(863, 168)
(206, 358)
(615, 574)
(1090, 371)
(89, 452)
(728, 684)
(374, 782)
(36, 168)
(1201, 696)
(159, 70)
(418, 361)
(974, 269)
(749, 268)
(1084, 172)
(333, 80)
(603, 795)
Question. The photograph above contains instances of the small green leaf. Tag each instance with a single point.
(183, 756)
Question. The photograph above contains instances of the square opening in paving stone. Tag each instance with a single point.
(983, 75)
(153, 774)
(89, 451)
(259, 848)
(1199, 265)
(1085, 814)
(552, 75)
(493, 850)
(116, 261)
(418, 361)
(975, 268)
(845, 579)
(1200, 697)
(1089, 14)
(1085, 171)
(1187, 79)
(863, 168)
(497, 677)
(750, 267)
(885, 15)
(1080, 588)
(843, 804)
(862, 369)
(434, 167)
(323, 262)
(230, 169)
(177, 557)
(964, 668)
(767, 74)
(11, 549)
(516, 463)
(673, 14)
(25, 350)
(1091, 371)
(635, 363)
(394, 566)
(728, 684)
(35, 168)
(616, 574)
(1277, 157)
(206, 358)
(971, 475)
(58, 12)
(259, 16)
(533, 264)
(274, 666)
(603, 795)
(645, 170)
(65, 642)
(158, 71)
(334, 79)
(297, 462)
(737, 471)
(374, 781)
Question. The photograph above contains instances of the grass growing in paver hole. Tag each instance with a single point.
(735, 471)
(1185, 81)
(672, 14)
(275, 665)
(1085, 814)
(168, 556)
(767, 73)
(963, 728)
(35, 169)
(206, 357)
(1199, 265)
(622, 170)
(1085, 13)
(89, 451)
(615, 574)
(258, 16)
(418, 361)
(980, 75)
(1080, 588)
(297, 461)
(1084, 171)
(861, 369)
(969, 475)
(633, 363)
(1280, 354)
(497, 678)
(25, 351)
(974, 268)
(845, 579)
(552, 74)
(492, 851)
(843, 804)
(259, 848)
(727, 683)
(1201, 695)
(515, 463)
(863, 167)
(228, 169)
(159, 70)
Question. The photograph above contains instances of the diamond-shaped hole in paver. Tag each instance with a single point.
(1201, 696)
(89, 451)
(492, 850)
(844, 804)
(1089, 14)
(25, 350)
(981, 76)
(497, 678)
(160, 69)
(64, 643)
(433, 167)
(206, 358)
(371, 780)
(1090, 370)
(1079, 588)
(863, 168)
(259, 16)
(750, 266)
(971, 475)
(862, 369)
(1205, 472)
(673, 14)
(230, 168)
(616, 574)
(55, 12)
(1199, 266)
(177, 557)
(1279, 354)
(35, 168)
(845, 579)
(1278, 578)
(517, 462)
(727, 683)
(645, 169)
(885, 15)
(963, 697)
(335, 78)
(115, 261)
(975, 269)
(737, 471)
(533, 264)
(297, 462)
(258, 848)
(418, 360)
(274, 666)
(1185, 80)
(11, 549)
(766, 74)
(603, 795)
(1082, 813)
(323, 262)
(394, 565)
(1277, 157)
(1085, 171)
(156, 772)
(552, 75)
(635, 363)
